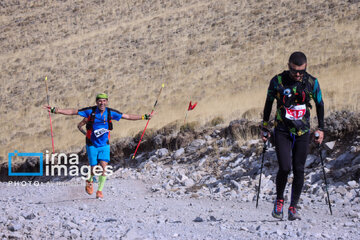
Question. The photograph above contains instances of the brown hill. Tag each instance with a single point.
(219, 53)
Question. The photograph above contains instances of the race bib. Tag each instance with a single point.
(295, 112)
(100, 132)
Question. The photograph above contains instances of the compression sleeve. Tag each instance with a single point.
(320, 116)
(269, 101)
(319, 104)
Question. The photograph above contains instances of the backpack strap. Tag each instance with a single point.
(91, 119)
(279, 78)
(90, 123)
(109, 119)
(308, 83)
(89, 126)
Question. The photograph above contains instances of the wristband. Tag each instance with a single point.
(145, 117)
(53, 110)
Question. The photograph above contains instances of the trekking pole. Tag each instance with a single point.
(48, 102)
(323, 168)
(265, 134)
(152, 111)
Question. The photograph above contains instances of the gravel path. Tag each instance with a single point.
(131, 210)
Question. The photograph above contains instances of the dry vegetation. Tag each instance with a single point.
(219, 53)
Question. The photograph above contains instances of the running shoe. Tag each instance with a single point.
(278, 209)
(89, 187)
(293, 214)
(99, 195)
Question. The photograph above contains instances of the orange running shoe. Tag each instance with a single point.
(99, 195)
(89, 187)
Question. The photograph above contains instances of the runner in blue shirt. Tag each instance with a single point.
(98, 120)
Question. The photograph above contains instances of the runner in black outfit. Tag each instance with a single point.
(293, 90)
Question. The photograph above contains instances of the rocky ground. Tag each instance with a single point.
(201, 187)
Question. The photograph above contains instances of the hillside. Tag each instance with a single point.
(219, 53)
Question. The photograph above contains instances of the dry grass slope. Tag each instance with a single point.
(219, 53)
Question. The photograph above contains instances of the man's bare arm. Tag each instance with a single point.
(136, 117)
(81, 124)
(69, 111)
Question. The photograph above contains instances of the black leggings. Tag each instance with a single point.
(285, 143)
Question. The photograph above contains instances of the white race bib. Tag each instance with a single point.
(100, 132)
(296, 112)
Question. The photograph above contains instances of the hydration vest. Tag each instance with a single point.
(294, 95)
(294, 104)
(90, 123)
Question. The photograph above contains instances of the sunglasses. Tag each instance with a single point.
(301, 72)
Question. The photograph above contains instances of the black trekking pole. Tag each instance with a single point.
(262, 163)
(323, 168)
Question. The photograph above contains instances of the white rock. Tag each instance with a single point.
(330, 145)
(237, 161)
(236, 184)
(75, 233)
(162, 152)
(353, 149)
(181, 178)
(341, 190)
(189, 182)
(70, 225)
(208, 138)
(179, 153)
(253, 142)
(352, 184)
(195, 145)
(325, 235)
(14, 226)
(202, 161)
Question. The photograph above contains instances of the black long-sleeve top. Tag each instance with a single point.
(293, 102)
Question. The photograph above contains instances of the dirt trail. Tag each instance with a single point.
(132, 211)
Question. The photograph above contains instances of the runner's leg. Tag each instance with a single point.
(92, 153)
(102, 178)
(283, 144)
(104, 158)
(300, 151)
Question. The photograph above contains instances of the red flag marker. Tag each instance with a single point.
(191, 107)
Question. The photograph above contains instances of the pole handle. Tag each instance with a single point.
(47, 92)
(317, 135)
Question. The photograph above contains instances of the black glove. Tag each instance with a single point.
(145, 117)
